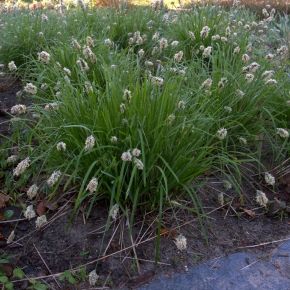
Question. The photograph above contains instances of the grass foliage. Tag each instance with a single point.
(177, 124)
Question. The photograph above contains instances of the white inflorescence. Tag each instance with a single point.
(261, 198)
(82, 64)
(204, 32)
(141, 53)
(126, 156)
(44, 57)
(269, 179)
(12, 159)
(21, 167)
(207, 84)
(12, 66)
(207, 52)
(245, 58)
(40, 221)
(32, 191)
(53, 179)
(122, 108)
(60, 146)
(90, 143)
(283, 133)
(163, 43)
(138, 163)
(30, 89)
(222, 133)
(181, 242)
(114, 139)
(157, 81)
(92, 185)
(174, 43)
(93, 278)
(51, 106)
(114, 211)
(243, 140)
(29, 212)
(136, 152)
(249, 78)
(127, 96)
(18, 109)
(178, 56)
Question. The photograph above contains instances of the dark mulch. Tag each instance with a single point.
(9, 86)
(69, 242)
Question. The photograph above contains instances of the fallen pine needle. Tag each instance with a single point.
(264, 244)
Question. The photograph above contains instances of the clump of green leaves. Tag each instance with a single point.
(183, 110)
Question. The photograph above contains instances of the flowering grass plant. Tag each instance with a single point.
(135, 105)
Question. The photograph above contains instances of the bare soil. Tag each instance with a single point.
(9, 86)
(70, 241)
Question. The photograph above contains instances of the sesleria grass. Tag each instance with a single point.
(155, 101)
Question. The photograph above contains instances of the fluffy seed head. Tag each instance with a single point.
(30, 89)
(53, 179)
(93, 278)
(90, 143)
(67, 71)
(44, 57)
(12, 159)
(181, 242)
(138, 163)
(92, 185)
(29, 212)
(222, 133)
(21, 167)
(249, 77)
(283, 133)
(60, 146)
(141, 53)
(32, 191)
(163, 43)
(18, 109)
(243, 140)
(126, 156)
(207, 84)
(127, 96)
(51, 106)
(245, 58)
(174, 43)
(204, 32)
(261, 198)
(157, 80)
(269, 178)
(12, 66)
(136, 152)
(114, 211)
(207, 52)
(40, 221)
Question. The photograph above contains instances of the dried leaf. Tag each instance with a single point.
(41, 208)
(7, 269)
(249, 212)
(11, 237)
(167, 232)
(3, 199)
(50, 205)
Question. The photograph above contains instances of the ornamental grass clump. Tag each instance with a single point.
(138, 111)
